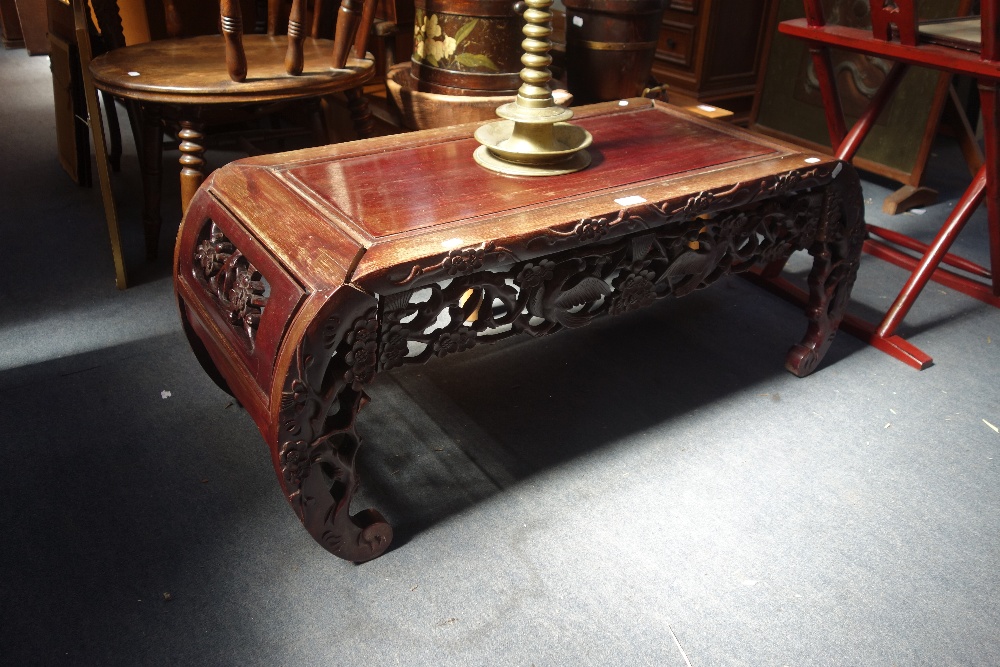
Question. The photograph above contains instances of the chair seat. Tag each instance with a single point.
(148, 72)
(960, 33)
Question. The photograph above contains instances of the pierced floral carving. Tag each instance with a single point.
(213, 251)
(637, 290)
(468, 260)
(237, 286)
(363, 340)
(456, 341)
(611, 277)
(294, 457)
(687, 207)
(460, 261)
(317, 442)
(394, 346)
(533, 275)
(591, 230)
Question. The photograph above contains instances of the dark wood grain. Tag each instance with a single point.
(296, 294)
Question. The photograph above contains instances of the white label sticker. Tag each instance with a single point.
(629, 201)
(578, 21)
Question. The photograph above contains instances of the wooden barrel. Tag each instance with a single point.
(610, 45)
(467, 47)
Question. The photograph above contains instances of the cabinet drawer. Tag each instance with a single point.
(676, 44)
(690, 6)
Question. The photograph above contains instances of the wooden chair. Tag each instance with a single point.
(968, 46)
(186, 81)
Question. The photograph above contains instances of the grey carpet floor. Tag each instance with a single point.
(653, 490)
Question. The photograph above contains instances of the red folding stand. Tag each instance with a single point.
(895, 36)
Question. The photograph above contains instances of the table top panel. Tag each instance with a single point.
(419, 187)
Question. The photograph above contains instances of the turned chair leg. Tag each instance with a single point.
(151, 158)
(114, 129)
(361, 115)
(192, 160)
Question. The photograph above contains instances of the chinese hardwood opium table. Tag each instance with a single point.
(302, 275)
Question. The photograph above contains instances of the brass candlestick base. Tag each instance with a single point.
(534, 140)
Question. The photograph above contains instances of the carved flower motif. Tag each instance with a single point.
(362, 361)
(533, 275)
(786, 182)
(207, 258)
(457, 341)
(394, 347)
(466, 260)
(635, 291)
(364, 352)
(591, 230)
(294, 459)
(295, 397)
(700, 203)
(363, 329)
(247, 296)
(213, 251)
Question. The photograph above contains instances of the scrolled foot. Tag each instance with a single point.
(803, 360)
(317, 444)
(322, 479)
(366, 538)
(836, 256)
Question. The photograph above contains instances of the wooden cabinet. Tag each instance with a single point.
(710, 51)
(31, 16)
(10, 25)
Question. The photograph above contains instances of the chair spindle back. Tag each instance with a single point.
(354, 21)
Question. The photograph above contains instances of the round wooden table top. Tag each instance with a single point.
(192, 70)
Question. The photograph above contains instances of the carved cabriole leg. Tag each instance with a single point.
(836, 255)
(152, 166)
(314, 444)
(192, 159)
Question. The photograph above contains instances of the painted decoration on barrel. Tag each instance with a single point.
(452, 42)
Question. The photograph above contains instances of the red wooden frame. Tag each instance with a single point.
(892, 246)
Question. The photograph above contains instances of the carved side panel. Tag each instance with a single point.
(238, 288)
